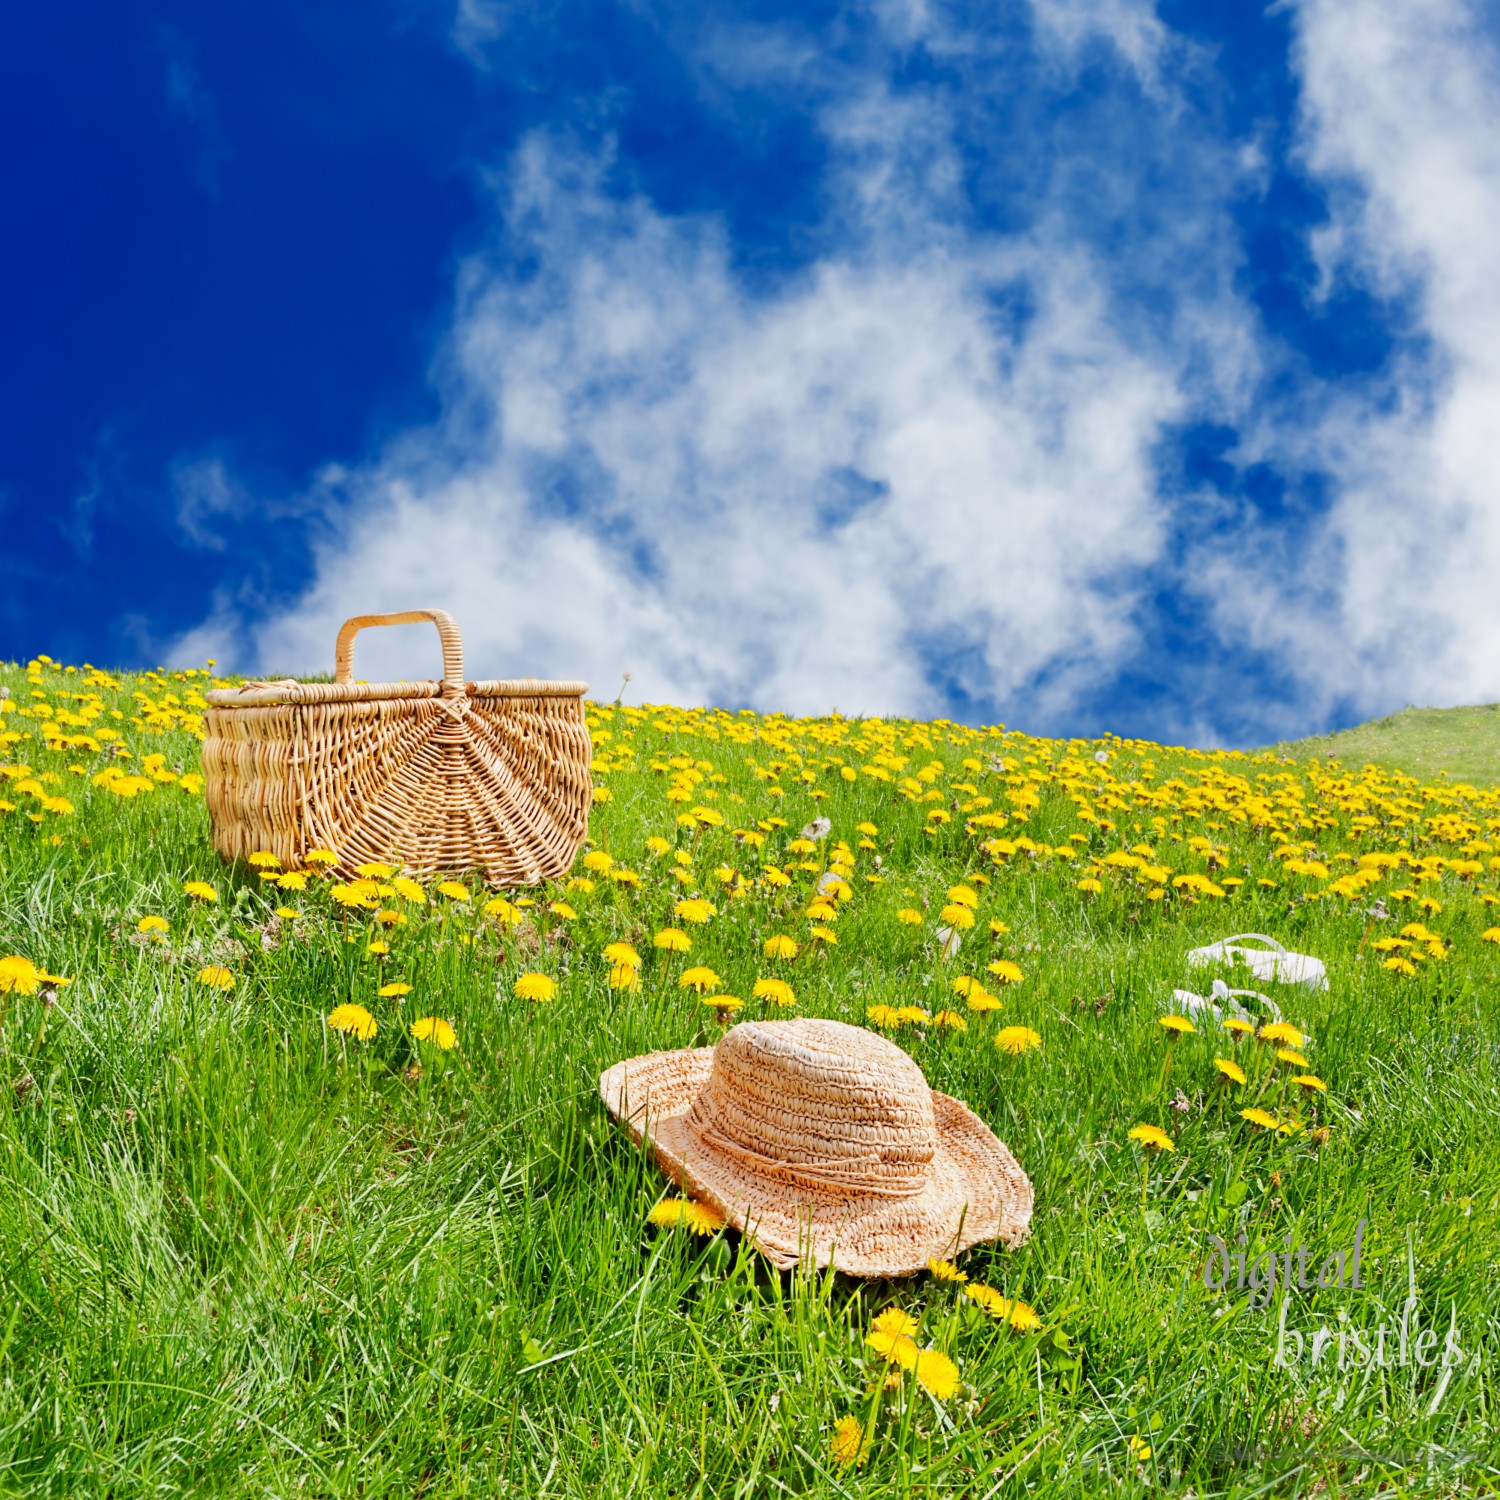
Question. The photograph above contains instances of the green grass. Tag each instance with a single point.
(1462, 744)
(244, 1255)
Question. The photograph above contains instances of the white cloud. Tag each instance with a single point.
(784, 499)
(1397, 598)
(872, 486)
(206, 495)
(1132, 27)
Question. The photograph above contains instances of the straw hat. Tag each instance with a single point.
(824, 1141)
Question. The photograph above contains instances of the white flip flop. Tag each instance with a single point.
(1222, 1002)
(1271, 963)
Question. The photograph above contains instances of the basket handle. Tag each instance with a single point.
(447, 628)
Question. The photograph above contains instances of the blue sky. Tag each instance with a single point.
(1082, 364)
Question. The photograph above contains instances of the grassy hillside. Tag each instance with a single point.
(256, 1242)
(1461, 744)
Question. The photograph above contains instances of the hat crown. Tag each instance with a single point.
(821, 1102)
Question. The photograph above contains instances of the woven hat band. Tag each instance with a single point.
(852, 1177)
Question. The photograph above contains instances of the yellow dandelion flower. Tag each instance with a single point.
(1294, 1058)
(1006, 971)
(263, 860)
(937, 1373)
(1176, 1024)
(502, 910)
(1231, 1070)
(200, 890)
(435, 1030)
(685, 1213)
(1283, 1032)
(893, 1323)
(18, 975)
(988, 1298)
(823, 935)
(374, 870)
(913, 1014)
(1260, 1117)
(724, 1004)
(945, 1270)
(950, 1019)
(1490, 935)
(910, 916)
(694, 909)
(153, 924)
(1018, 1314)
(625, 977)
(781, 946)
(320, 859)
(962, 895)
(394, 989)
(1022, 1317)
(354, 895)
(957, 916)
(622, 953)
(700, 978)
(411, 890)
(537, 987)
(292, 880)
(287, 914)
(886, 1017)
(216, 977)
(355, 1020)
(1017, 1039)
(378, 949)
(1238, 1027)
(1398, 965)
(777, 991)
(1311, 1082)
(980, 1001)
(848, 1443)
(1151, 1137)
(672, 940)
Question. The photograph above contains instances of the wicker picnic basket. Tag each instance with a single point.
(451, 776)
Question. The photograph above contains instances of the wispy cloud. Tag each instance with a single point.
(840, 492)
(922, 472)
(1395, 597)
(190, 101)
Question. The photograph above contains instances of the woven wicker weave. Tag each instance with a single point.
(451, 776)
(824, 1141)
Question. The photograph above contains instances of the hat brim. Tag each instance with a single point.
(975, 1189)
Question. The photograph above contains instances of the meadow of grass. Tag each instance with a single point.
(245, 1252)
(1462, 744)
